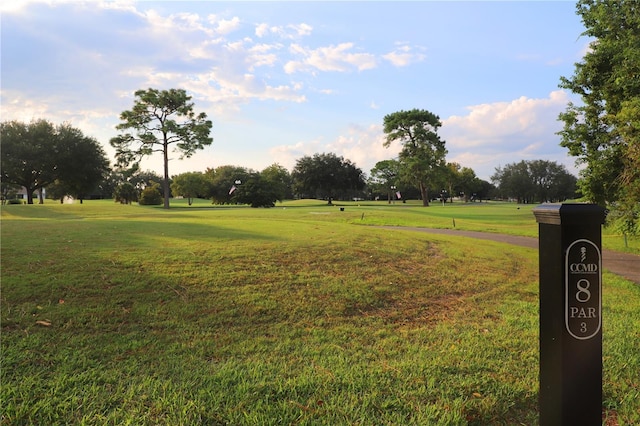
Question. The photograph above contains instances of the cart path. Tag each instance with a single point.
(626, 265)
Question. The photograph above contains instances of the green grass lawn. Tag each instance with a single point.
(117, 314)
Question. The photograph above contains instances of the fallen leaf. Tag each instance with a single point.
(45, 323)
(477, 395)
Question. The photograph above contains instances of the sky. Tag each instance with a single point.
(283, 80)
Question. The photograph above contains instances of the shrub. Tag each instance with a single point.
(151, 196)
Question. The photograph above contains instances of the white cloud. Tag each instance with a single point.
(262, 30)
(232, 89)
(262, 55)
(499, 133)
(291, 31)
(15, 6)
(227, 26)
(331, 58)
(301, 29)
(176, 23)
(287, 155)
(16, 107)
(404, 55)
(206, 49)
(362, 145)
(507, 121)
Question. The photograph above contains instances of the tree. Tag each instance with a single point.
(513, 181)
(422, 157)
(107, 187)
(24, 154)
(538, 180)
(603, 132)
(279, 179)
(385, 178)
(628, 210)
(470, 185)
(142, 179)
(190, 185)
(326, 175)
(82, 163)
(37, 154)
(224, 181)
(452, 176)
(125, 193)
(484, 190)
(161, 119)
(256, 191)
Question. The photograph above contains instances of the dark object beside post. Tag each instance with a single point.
(570, 313)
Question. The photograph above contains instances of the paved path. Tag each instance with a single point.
(624, 264)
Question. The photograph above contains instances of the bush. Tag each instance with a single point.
(14, 201)
(151, 196)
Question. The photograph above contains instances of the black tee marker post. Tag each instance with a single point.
(570, 313)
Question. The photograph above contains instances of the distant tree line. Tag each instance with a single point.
(61, 159)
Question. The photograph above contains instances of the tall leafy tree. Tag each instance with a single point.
(26, 159)
(161, 119)
(190, 185)
(422, 157)
(603, 132)
(629, 206)
(82, 163)
(513, 181)
(37, 154)
(279, 179)
(326, 175)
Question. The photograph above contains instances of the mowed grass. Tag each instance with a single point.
(135, 315)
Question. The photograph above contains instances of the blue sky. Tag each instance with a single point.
(281, 80)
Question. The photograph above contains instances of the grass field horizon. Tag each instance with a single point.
(299, 314)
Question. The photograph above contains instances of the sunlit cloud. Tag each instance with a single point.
(330, 58)
(506, 132)
(404, 55)
(362, 145)
(225, 26)
(291, 31)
